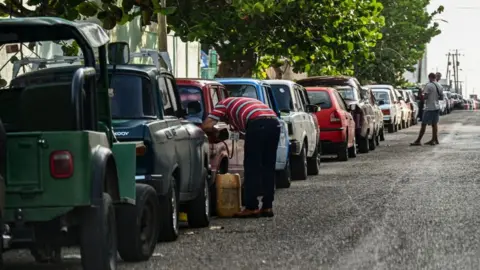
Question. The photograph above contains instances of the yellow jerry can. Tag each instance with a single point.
(229, 194)
(182, 217)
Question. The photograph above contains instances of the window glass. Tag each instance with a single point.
(382, 95)
(320, 98)
(167, 105)
(132, 97)
(171, 93)
(282, 96)
(214, 95)
(241, 90)
(192, 100)
(340, 101)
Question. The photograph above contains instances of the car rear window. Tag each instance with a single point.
(320, 98)
(382, 95)
(282, 96)
(241, 90)
(188, 96)
(133, 97)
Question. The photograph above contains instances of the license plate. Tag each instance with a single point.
(234, 136)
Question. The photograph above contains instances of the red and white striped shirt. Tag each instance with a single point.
(237, 111)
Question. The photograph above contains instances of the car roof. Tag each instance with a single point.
(287, 82)
(240, 80)
(379, 86)
(320, 88)
(196, 82)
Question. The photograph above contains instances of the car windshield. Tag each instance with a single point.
(381, 95)
(282, 96)
(132, 97)
(192, 99)
(320, 98)
(241, 90)
(346, 92)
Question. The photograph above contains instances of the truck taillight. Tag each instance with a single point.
(61, 164)
(386, 112)
(334, 117)
(140, 149)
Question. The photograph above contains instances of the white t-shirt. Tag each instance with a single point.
(432, 102)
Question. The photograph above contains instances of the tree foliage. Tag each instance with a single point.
(109, 12)
(409, 27)
(333, 34)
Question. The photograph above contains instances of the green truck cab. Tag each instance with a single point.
(68, 181)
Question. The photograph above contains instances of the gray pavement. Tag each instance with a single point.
(398, 207)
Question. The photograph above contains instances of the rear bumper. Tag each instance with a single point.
(335, 135)
(329, 147)
(157, 181)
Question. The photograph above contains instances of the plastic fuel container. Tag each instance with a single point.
(229, 194)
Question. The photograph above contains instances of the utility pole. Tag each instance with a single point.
(162, 29)
(447, 76)
(456, 77)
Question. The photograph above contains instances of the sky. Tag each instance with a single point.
(461, 32)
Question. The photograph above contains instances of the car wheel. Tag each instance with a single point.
(343, 152)
(137, 225)
(377, 140)
(391, 128)
(352, 151)
(363, 145)
(313, 163)
(169, 222)
(371, 143)
(283, 178)
(382, 134)
(198, 209)
(298, 165)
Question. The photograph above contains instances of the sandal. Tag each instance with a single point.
(416, 144)
(430, 143)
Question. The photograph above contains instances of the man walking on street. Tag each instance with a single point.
(261, 127)
(433, 92)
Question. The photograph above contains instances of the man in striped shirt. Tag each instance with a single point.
(260, 125)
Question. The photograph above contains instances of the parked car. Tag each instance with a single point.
(443, 106)
(257, 89)
(146, 107)
(413, 106)
(378, 119)
(298, 113)
(200, 97)
(337, 127)
(406, 112)
(391, 108)
(350, 90)
(409, 104)
(450, 102)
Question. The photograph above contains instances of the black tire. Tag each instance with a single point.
(283, 178)
(403, 125)
(98, 236)
(377, 140)
(298, 165)
(198, 209)
(343, 152)
(363, 145)
(313, 163)
(391, 128)
(137, 225)
(382, 134)
(169, 223)
(352, 151)
(371, 143)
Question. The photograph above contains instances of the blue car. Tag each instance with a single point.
(252, 88)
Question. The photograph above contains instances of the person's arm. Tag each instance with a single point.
(426, 91)
(212, 119)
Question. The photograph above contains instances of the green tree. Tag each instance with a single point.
(109, 12)
(409, 27)
(303, 32)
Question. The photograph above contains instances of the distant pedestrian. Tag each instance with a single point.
(433, 93)
(261, 127)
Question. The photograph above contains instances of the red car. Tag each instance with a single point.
(199, 97)
(337, 127)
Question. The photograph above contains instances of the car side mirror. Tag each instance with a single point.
(313, 108)
(381, 102)
(118, 53)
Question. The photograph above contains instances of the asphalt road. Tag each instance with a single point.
(398, 207)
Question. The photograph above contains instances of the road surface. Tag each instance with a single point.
(398, 207)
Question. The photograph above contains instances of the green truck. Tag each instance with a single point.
(68, 180)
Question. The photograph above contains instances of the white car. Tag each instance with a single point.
(389, 104)
(296, 111)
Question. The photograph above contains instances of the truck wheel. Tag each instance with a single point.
(352, 151)
(198, 209)
(298, 165)
(98, 236)
(363, 145)
(47, 254)
(283, 178)
(137, 225)
(169, 227)
(313, 163)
